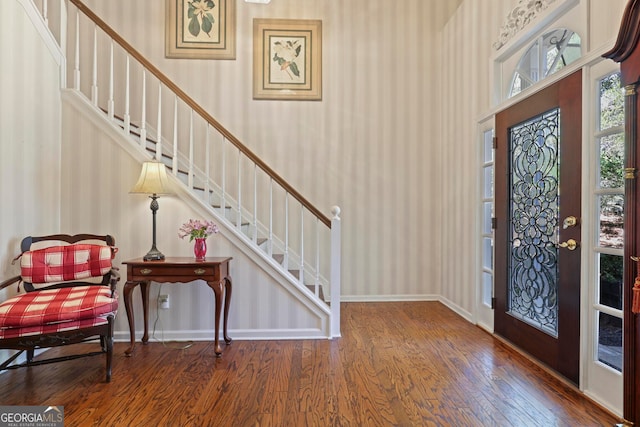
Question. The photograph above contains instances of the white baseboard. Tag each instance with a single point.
(235, 334)
(388, 298)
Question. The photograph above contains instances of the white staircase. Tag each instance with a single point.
(269, 219)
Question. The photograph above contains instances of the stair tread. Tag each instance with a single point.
(312, 288)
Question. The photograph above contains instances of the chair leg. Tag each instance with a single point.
(109, 357)
(107, 342)
(30, 353)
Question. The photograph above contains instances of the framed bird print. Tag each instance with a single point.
(200, 29)
(287, 59)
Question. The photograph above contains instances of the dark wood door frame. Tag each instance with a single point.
(627, 52)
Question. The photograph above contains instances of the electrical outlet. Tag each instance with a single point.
(163, 301)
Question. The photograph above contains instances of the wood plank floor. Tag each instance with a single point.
(397, 364)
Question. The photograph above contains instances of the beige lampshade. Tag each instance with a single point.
(153, 179)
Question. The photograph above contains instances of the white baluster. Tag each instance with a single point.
(143, 114)
(239, 217)
(190, 178)
(45, 12)
(317, 278)
(270, 249)
(127, 91)
(159, 133)
(255, 203)
(301, 276)
(286, 232)
(76, 67)
(207, 166)
(110, 103)
(335, 272)
(94, 77)
(223, 202)
(175, 137)
(63, 43)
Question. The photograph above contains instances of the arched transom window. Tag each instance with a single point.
(547, 54)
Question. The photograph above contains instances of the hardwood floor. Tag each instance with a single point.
(397, 364)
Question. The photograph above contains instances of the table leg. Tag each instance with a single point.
(227, 302)
(217, 291)
(128, 289)
(144, 290)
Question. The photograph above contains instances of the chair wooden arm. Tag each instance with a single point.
(115, 278)
(10, 282)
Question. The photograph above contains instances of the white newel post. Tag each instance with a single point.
(335, 272)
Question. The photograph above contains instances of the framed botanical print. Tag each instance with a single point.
(200, 29)
(287, 59)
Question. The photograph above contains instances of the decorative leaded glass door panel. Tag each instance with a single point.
(538, 173)
(534, 194)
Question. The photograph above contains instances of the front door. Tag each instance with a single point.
(537, 209)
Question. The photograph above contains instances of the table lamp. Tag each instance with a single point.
(154, 181)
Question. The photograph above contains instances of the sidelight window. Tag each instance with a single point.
(609, 196)
(487, 214)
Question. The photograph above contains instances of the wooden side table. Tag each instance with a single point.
(214, 271)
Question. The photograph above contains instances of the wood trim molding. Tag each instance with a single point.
(628, 35)
(626, 52)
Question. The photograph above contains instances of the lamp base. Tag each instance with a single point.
(153, 255)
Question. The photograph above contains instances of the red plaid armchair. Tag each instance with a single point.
(70, 297)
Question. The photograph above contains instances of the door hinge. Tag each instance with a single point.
(493, 303)
(629, 173)
(494, 223)
(495, 142)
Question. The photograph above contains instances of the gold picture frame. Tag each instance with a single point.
(287, 59)
(207, 32)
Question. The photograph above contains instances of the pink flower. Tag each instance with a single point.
(197, 229)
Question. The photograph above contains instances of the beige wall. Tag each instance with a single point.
(371, 146)
(29, 137)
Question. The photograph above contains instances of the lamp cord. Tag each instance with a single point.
(176, 345)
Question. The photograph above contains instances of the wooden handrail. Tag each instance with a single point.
(201, 111)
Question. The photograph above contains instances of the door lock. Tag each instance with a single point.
(570, 221)
(569, 244)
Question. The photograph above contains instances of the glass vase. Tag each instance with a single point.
(200, 249)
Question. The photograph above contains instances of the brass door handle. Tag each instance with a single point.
(569, 244)
(570, 221)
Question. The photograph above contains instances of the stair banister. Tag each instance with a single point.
(196, 107)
